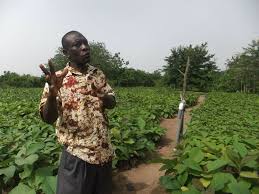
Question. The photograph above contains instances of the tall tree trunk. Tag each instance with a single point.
(185, 77)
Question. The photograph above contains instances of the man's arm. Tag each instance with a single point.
(50, 110)
(104, 90)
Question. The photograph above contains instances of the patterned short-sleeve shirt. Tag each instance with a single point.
(82, 124)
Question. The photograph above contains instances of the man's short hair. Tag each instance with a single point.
(64, 42)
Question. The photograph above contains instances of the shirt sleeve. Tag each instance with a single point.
(102, 85)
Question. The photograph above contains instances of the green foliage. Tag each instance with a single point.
(29, 152)
(220, 151)
(9, 79)
(201, 71)
(133, 77)
(242, 72)
(135, 120)
(111, 64)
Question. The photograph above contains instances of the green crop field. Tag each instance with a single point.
(220, 151)
(29, 152)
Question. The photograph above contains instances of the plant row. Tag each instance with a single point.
(220, 151)
(29, 152)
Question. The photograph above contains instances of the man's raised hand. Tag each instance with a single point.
(54, 81)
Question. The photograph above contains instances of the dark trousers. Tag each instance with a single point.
(76, 176)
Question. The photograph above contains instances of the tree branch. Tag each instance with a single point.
(180, 72)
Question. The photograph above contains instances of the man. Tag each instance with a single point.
(77, 97)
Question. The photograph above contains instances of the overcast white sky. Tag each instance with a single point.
(143, 31)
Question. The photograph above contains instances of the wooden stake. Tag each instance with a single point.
(185, 76)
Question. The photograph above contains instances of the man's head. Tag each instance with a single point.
(76, 47)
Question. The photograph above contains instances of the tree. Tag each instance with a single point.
(202, 67)
(59, 59)
(242, 72)
(134, 77)
(10, 79)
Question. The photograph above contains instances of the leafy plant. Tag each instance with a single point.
(220, 151)
(29, 152)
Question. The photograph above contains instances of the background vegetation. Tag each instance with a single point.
(241, 74)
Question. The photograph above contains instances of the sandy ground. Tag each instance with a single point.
(144, 179)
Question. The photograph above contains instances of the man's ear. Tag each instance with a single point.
(65, 52)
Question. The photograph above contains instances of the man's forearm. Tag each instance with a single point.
(50, 110)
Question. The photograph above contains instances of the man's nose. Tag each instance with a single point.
(84, 47)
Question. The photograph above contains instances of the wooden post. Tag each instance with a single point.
(185, 76)
(182, 104)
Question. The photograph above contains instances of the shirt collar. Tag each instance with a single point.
(74, 71)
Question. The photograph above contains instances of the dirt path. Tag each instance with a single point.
(144, 179)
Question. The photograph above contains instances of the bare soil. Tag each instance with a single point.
(144, 179)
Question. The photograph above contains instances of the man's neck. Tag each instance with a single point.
(82, 68)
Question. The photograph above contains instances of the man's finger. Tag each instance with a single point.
(64, 73)
(47, 78)
(44, 70)
(51, 67)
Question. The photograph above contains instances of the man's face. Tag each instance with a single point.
(78, 49)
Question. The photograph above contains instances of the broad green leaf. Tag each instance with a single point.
(249, 161)
(251, 164)
(34, 147)
(196, 154)
(45, 171)
(26, 172)
(220, 180)
(21, 152)
(22, 189)
(28, 160)
(191, 190)
(255, 190)
(182, 178)
(49, 185)
(129, 141)
(207, 176)
(212, 147)
(233, 156)
(239, 188)
(240, 147)
(180, 168)
(192, 165)
(8, 172)
(249, 174)
(183, 188)
(169, 183)
(214, 165)
(250, 141)
(141, 123)
(116, 133)
(210, 156)
(205, 182)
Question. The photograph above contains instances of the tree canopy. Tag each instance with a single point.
(15, 80)
(201, 71)
(242, 72)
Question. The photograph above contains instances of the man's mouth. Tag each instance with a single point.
(85, 55)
